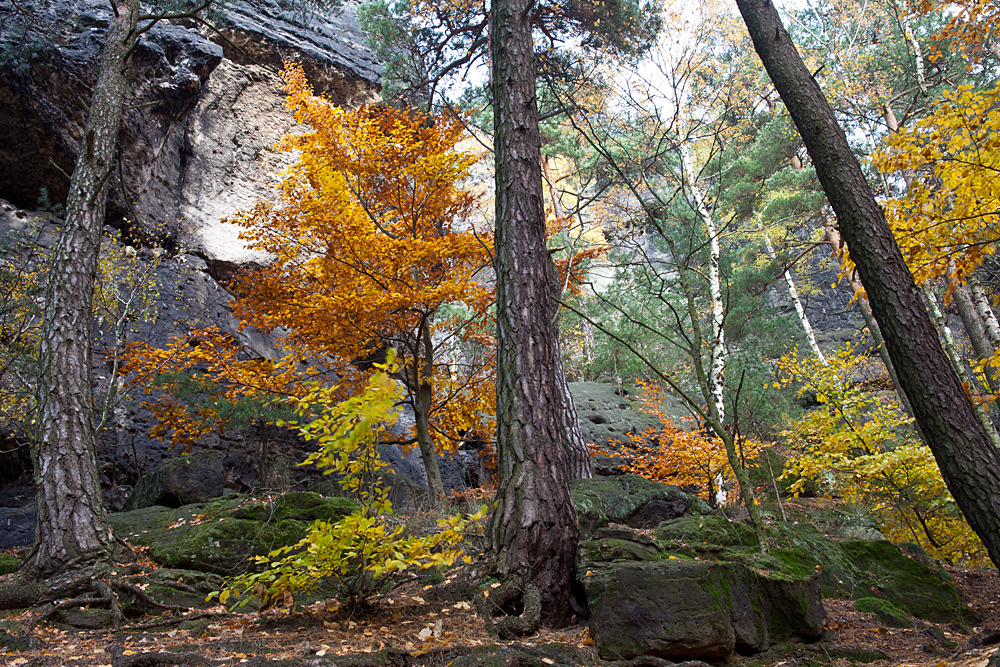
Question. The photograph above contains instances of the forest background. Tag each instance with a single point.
(678, 194)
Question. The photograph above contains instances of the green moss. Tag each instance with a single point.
(906, 582)
(706, 530)
(221, 537)
(8, 564)
(889, 614)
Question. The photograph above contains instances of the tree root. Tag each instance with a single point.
(94, 582)
(495, 607)
(170, 620)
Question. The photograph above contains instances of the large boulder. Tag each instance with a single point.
(628, 499)
(223, 535)
(182, 480)
(696, 609)
(846, 568)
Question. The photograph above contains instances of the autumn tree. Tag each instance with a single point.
(969, 463)
(375, 246)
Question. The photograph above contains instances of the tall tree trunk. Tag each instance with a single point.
(974, 326)
(717, 345)
(533, 532)
(969, 463)
(577, 451)
(836, 243)
(71, 524)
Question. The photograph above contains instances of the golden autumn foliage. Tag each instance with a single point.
(374, 247)
(950, 211)
(857, 445)
(971, 27)
(679, 454)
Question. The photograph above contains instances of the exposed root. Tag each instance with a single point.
(170, 620)
(495, 610)
(144, 596)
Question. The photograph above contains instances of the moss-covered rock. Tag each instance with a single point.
(906, 582)
(221, 536)
(8, 564)
(889, 614)
(628, 499)
(705, 531)
(696, 609)
(610, 544)
(846, 569)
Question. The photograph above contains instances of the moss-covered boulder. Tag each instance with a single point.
(907, 582)
(705, 531)
(682, 609)
(889, 614)
(223, 535)
(847, 568)
(628, 499)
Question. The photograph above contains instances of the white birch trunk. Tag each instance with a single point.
(794, 294)
(716, 370)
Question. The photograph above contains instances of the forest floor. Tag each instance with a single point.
(410, 628)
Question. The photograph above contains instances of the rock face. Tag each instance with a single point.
(197, 140)
(180, 481)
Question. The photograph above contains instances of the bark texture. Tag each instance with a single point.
(71, 523)
(969, 463)
(533, 532)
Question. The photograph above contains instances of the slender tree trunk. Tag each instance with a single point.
(71, 524)
(796, 301)
(982, 412)
(424, 398)
(969, 463)
(836, 243)
(973, 325)
(533, 532)
(717, 364)
(985, 311)
(579, 455)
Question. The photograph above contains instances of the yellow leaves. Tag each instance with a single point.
(950, 209)
(859, 447)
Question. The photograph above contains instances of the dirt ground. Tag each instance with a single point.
(421, 631)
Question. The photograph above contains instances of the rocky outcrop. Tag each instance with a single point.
(205, 111)
(644, 600)
(183, 480)
(630, 500)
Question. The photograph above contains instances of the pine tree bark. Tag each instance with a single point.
(969, 464)
(533, 532)
(71, 524)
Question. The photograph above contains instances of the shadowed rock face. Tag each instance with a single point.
(197, 142)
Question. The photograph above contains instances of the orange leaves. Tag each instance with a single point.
(374, 237)
(202, 378)
(686, 457)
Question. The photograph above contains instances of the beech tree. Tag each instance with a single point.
(969, 463)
